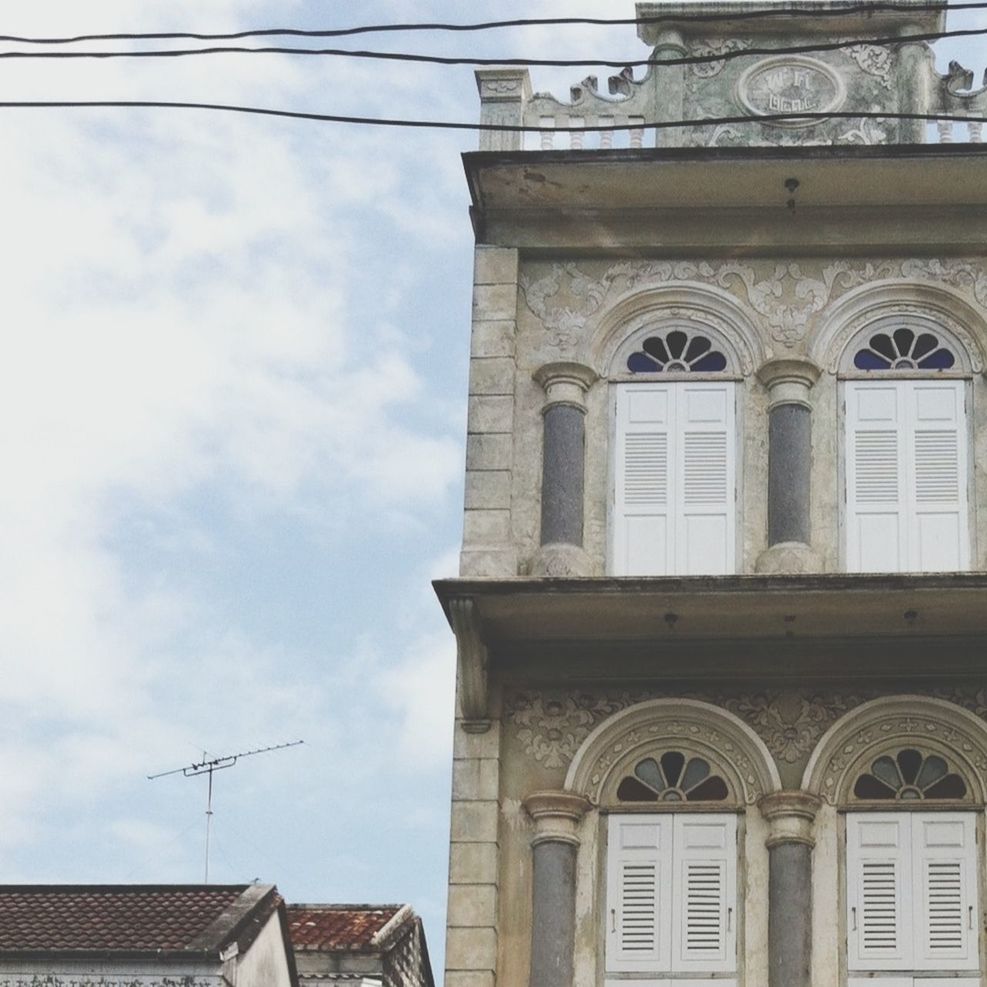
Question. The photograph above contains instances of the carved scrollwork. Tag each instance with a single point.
(703, 48)
(552, 725)
(875, 60)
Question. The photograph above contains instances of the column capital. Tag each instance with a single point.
(556, 816)
(565, 383)
(788, 380)
(790, 815)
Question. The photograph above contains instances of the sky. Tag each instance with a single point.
(233, 390)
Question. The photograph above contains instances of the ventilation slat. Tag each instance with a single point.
(639, 908)
(879, 898)
(944, 887)
(876, 467)
(937, 477)
(646, 470)
(705, 468)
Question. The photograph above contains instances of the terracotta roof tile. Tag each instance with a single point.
(337, 927)
(108, 917)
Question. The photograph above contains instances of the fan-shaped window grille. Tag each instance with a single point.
(676, 351)
(673, 777)
(909, 776)
(904, 349)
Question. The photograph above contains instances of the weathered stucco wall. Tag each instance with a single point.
(529, 313)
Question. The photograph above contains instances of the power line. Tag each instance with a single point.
(456, 60)
(699, 17)
(456, 125)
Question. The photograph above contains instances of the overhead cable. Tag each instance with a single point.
(456, 125)
(396, 56)
(699, 17)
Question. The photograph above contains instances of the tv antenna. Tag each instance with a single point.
(207, 767)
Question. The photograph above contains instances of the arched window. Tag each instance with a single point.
(909, 775)
(673, 776)
(906, 448)
(674, 464)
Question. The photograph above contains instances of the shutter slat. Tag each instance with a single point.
(936, 467)
(646, 470)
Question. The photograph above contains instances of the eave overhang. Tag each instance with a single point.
(714, 626)
(928, 197)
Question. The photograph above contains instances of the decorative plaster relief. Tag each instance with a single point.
(790, 84)
(788, 297)
(554, 724)
(907, 728)
(875, 60)
(704, 47)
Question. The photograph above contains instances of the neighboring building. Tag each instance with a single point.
(359, 946)
(132, 935)
(722, 608)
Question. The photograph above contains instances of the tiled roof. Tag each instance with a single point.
(337, 927)
(126, 918)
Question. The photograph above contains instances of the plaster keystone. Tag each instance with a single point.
(790, 814)
(556, 816)
(788, 381)
(565, 383)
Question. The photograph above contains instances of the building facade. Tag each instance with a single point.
(722, 607)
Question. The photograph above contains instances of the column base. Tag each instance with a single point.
(562, 560)
(788, 557)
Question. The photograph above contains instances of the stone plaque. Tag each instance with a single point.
(790, 84)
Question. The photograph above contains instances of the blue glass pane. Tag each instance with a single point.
(881, 343)
(655, 346)
(672, 762)
(710, 363)
(940, 360)
(638, 363)
(697, 346)
(676, 343)
(649, 772)
(903, 339)
(866, 360)
(925, 343)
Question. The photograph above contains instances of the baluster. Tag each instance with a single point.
(976, 129)
(606, 136)
(576, 139)
(547, 137)
(945, 128)
(637, 135)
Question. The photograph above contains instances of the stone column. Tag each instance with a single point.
(503, 94)
(789, 466)
(790, 815)
(563, 457)
(553, 885)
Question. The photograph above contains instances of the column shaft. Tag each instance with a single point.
(553, 933)
(562, 476)
(789, 469)
(789, 915)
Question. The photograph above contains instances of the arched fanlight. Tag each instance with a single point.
(672, 777)
(676, 351)
(904, 349)
(909, 776)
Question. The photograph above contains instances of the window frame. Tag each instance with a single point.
(875, 976)
(967, 479)
(675, 380)
(724, 975)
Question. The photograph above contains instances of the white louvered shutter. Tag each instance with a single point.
(944, 867)
(674, 504)
(879, 928)
(906, 468)
(639, 893)
(939, 540)
(705, 478)
(704, 893)
(642, 527)
(876, 509)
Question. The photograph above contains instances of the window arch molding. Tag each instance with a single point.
(886, 725)
(920, 306)
(703, 309)
(690, 725)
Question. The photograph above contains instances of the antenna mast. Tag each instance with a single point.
(207, 767)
